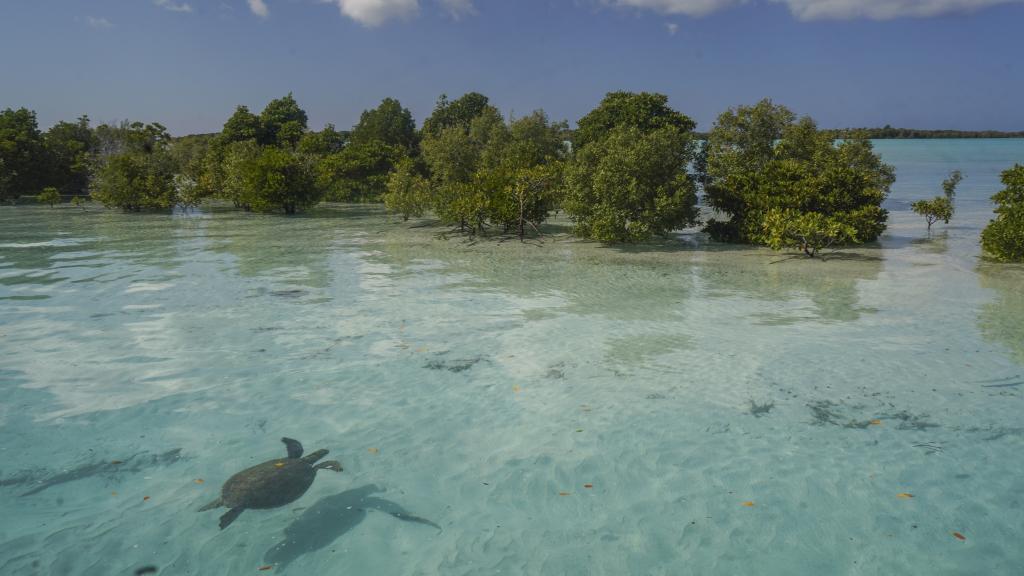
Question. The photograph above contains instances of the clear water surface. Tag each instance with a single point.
(504, 408)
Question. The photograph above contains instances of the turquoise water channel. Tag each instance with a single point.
(560, 407)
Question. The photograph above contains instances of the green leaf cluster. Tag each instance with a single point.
(940, 207)
(1003, 238)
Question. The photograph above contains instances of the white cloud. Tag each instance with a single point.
(259, 8)
(376, 12)
(99, 22)
(173, 6)
(883, 9)
(672, 28)
(823, 9)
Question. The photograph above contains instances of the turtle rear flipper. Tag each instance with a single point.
(229, 517)
(294, 447)
(215, 504)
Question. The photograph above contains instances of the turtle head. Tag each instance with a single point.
(329, 465)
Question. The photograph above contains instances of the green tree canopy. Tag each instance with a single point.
(243, 125)
(388, 123)
(49, 195)
(631, 185)
(940, 207)
(644, 111)
(23, 157)
(1003, 238)
(70, 146)
(323, 143)
(135, 171)
(408, 192)
(282, 122)
(359, 173)
(763, 162)
(456, 113)
(277, 180)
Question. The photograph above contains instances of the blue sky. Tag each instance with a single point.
(916, 63)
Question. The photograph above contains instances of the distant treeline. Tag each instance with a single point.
(889, 133)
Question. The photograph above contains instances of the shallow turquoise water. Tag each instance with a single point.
(470, 385)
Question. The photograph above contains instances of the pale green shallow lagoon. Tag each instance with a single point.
(491, 377)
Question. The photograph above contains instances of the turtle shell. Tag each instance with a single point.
(268, 485)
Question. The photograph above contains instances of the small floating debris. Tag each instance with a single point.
(113, 493)
(905, 495)
(959, 536)
(588, 485)
(198, 480)
(279, 464)
(116, 462)
(373, 450)
(875, 422)
(749, 504)
(145, 498)
(563, 493)
(146, 570)
(265, 568)
(516, 388)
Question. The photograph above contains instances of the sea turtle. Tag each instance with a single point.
(270, 484)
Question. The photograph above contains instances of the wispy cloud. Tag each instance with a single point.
(96, 22)
(459, 8)
(259, 8)
(806, 10)
(684, 7)
(672, 28)
(173, 6)
(883, 9)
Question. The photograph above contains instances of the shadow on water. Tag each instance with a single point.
(332, 517)
(1002, 319)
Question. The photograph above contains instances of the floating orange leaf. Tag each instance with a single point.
(959, 536)
(265, 568)
(113, 493)
(516, 388)
(373, 450)
(563, 493)
(905, 495)
(144, 498)
(198, 480)
(876, 422)
(117, 462)
(588, 485)
(749, 504)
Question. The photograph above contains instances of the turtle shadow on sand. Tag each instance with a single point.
(330, 518)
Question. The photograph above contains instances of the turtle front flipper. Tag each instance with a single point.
(215, 504)
(313, 457)
(329, 465)
(294, 448)
(229, 517)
